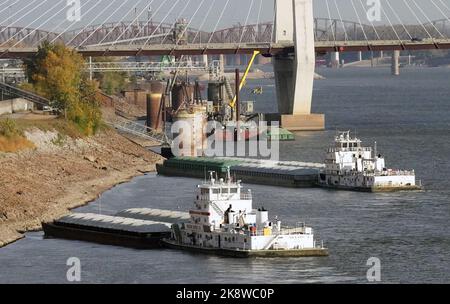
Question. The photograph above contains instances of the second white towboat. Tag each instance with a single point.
(351, 166)
(224, 222)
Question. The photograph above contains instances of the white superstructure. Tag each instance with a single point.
(349, 165)
(223, 218)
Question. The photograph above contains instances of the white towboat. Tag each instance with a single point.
(350, 166)
(224, 222)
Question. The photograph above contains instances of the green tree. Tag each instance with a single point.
(110, 82)
(56, 72)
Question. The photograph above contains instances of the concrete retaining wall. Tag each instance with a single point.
(15, 105)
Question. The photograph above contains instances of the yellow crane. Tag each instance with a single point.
(244, 77)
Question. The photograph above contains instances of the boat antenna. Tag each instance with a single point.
(375, 148)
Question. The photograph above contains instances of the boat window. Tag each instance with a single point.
(344, 145)
(233, 190)
(216, 191)
(205, 191)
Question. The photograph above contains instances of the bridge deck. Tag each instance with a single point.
(244, 48)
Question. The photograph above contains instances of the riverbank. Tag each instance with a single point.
(63, 173)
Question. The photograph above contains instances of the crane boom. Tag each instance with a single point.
(244, 78)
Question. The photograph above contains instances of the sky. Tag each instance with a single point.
(51, 14)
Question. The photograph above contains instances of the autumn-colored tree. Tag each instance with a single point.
(56, 72)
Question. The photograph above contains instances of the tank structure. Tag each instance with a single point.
(188, 109)
(155, 106)
(191, 140)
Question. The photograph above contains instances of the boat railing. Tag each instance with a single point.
(223, 196)
(380, 173)
(397, 172)
(275, 232)
(363, 149)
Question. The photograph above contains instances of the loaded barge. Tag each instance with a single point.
(251, 171)
(135, 228)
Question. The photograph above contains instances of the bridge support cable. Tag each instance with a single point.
(101, 25)
(132, 22)
(258, 18)
(7, 6)
(274, 17)
(440, 10)
(118, 23)
(371, 23)
(417, 18)
(399, 19)
(70, 25)
(198, 33)
(218, 21)
(359, 21)
(162, 21)
(342, 21)
(444, 5)
(190, 21)
(329, 16)
(182, 57)
(188, 2)
(135, 38)
(23, 16)
(246, 23)
(392, 26)
(429, 20)
(47, 20)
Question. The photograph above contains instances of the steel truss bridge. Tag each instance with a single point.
(148, 38)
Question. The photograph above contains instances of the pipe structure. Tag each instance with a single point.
(237, 104)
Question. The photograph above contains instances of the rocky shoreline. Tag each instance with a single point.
(46, 183)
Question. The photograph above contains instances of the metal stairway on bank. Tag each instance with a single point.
(19, 93)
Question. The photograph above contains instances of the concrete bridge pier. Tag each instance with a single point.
(360, 57)
(335, 60)
(294, 73)
(395, 67)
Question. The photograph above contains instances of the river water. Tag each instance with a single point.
(408, 116)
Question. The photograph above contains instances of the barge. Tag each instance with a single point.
(223, 222)
(251, 171)
(109, 230)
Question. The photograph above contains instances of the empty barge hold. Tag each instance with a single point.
(251, 171)
(109, 230)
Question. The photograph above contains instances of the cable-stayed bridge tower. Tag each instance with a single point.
(294, 72)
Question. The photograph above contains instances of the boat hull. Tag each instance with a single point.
(309, 252)
(372, 189)
(104, 238)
